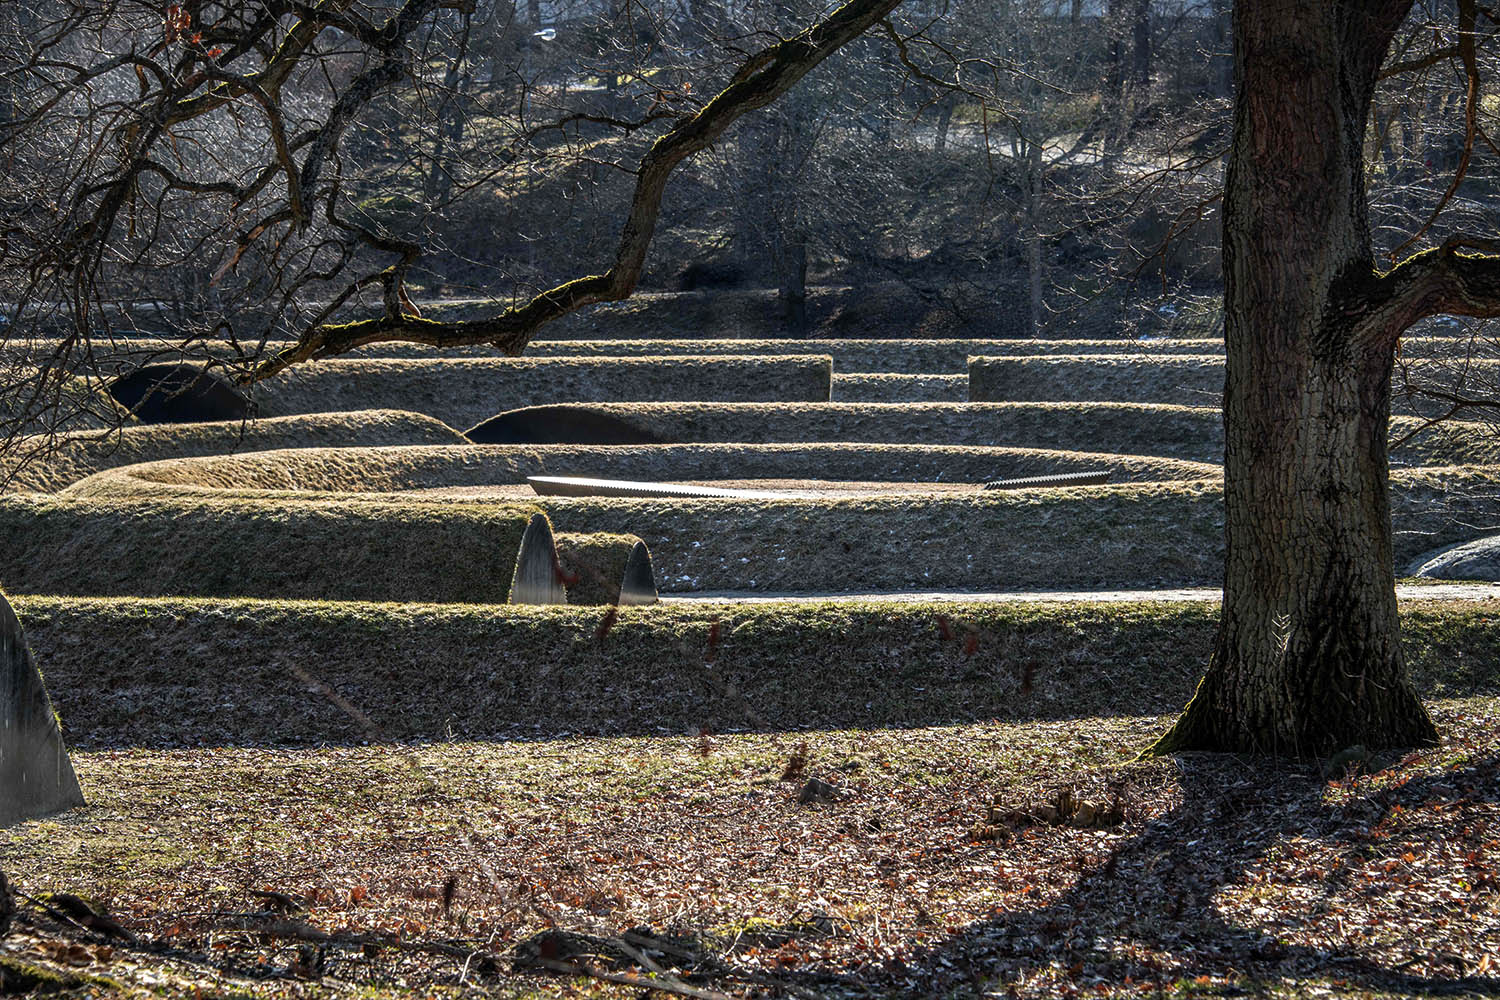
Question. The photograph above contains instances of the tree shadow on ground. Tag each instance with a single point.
(1190, 895)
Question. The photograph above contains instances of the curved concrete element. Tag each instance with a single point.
(1478, 559)
(36, 776)
(1089, 478)
(638, 582)
(537, 578)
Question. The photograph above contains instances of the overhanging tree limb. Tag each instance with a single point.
(762, 78)
(1442, 281)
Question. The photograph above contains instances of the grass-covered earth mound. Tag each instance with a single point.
(150, 672)
(394, 469)
(1194, 433)
(53, 464)
(1195, 380)
(323, 548)
(1131, 534)
(463, 391)
(885, 387)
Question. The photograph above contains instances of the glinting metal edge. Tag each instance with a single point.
(1061, 479)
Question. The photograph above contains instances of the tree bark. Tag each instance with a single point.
(1035, 266)
(791, 291)
(1140, 32)
(1308, 658)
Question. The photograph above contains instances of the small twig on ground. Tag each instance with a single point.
(717, 964)
(630, 979)
(296, 930)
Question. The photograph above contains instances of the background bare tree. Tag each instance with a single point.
(263, 172)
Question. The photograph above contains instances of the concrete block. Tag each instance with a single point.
(36, 776)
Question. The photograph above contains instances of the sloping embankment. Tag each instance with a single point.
(211, 672)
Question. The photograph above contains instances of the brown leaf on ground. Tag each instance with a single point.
(1217, 876)
(795, 764)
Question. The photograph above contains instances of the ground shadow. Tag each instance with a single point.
(1155, 895)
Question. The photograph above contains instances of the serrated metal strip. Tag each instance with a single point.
(1061, 479)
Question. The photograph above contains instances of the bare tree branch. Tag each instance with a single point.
(762, 78)
(1442, 281)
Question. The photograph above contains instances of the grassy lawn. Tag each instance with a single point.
(926, 865)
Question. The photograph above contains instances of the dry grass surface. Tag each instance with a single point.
(383, 470)
(152, 672)
(1449, 347)
(591, 567)
(320, 548)
(397, 468)
(1182, 380)
(1127, 535)
(55, 463)
(893, 388)
(913, 868)
(1187, 432)
(462, 392)
(1418, 442)
(1194, 380)
(73, 403)
(338, 799)
(1139, 534)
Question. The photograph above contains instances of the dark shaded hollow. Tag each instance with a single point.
(179, 394)
(559, 424)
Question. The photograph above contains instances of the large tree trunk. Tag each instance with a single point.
(1308, 657)
(1140, 35)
